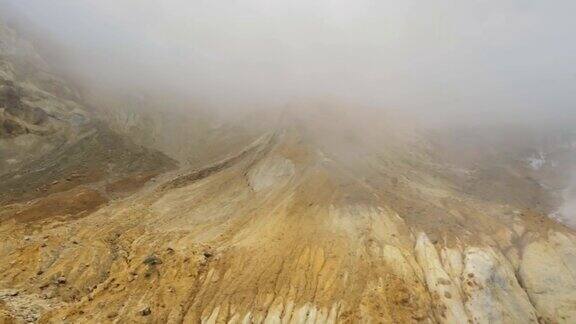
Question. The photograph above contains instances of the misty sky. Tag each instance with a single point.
(475, 58)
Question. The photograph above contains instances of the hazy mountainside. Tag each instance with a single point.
(513, 165)
(48, 140)
(192, 136)
(332, 216)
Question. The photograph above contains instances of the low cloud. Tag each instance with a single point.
(512, 60)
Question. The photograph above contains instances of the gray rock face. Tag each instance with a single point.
(548, 272)
(268, 173)
(480, 284)
(34, 118)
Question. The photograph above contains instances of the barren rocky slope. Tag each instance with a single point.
(332, 217)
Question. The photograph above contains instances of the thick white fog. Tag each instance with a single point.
(473, 59)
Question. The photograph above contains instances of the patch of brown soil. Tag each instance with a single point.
(28, 191)
(5, 317)
(67, 203)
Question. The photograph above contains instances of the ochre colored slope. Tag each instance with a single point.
(287, 233)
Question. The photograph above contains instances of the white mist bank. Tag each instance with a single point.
(443, 59)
